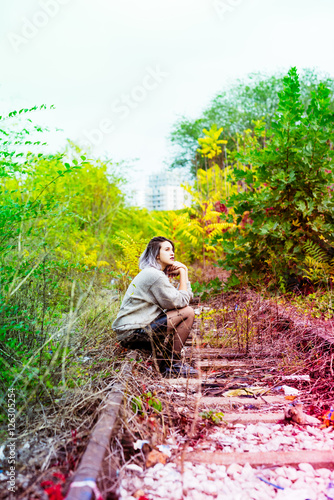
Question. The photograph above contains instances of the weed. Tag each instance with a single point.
(212, 416)
(145, 402)
(206, 290)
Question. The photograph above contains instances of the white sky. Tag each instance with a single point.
(87, 54)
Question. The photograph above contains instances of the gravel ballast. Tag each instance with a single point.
(236, 482)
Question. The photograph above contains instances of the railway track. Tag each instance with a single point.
(235, 432)
(230, 438)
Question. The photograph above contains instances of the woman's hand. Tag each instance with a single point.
(176, 268)
(179, 269)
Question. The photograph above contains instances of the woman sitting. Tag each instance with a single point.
(154, 315)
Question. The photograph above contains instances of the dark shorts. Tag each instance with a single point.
(152, 338)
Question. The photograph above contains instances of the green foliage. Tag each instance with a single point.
(232, 282)
(208, 289)
(314, 251)
(214, 417)
(262, 203)
(58, 216)
(271, 187)
(287, 199)
(146, 402)
(132, 247)
(237, 109)
(318, 304)
(318, 264)
(26, 266)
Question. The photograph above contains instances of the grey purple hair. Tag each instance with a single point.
(149, 257)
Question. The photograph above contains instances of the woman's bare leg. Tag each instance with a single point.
(180, 321)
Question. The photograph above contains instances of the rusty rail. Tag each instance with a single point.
(83, 485)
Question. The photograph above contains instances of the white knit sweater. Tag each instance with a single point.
(149, 294)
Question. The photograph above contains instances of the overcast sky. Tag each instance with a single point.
(120, 72)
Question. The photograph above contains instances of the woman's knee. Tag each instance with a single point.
(177, 316)
(189, 312)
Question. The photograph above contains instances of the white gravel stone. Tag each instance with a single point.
(273, 446)
(291, 473)
(134, 467)
(233, 468)
(209, 487)
(325, 473)
(263, 431)
(280, 471)
(148, 481)
(313, 431)
(260, 437)
(202, 478)
(123, 492)
(170, 465)
(306, 468)
(293, 494)
(192, 483)
(283, 482)
(201, 469)
(299, 484)
(212, 481)
(247, 472)
(164, 492)
(221, 472)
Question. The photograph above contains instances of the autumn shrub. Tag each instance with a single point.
(261, 155)
(287, 199)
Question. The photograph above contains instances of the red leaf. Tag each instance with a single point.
(220, 207)
(60, 476)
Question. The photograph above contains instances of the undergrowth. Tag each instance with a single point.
(52, 427)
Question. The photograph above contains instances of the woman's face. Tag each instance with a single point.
(166, 255)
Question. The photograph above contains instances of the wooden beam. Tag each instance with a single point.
(316, 458)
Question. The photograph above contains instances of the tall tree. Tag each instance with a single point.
(236, 109)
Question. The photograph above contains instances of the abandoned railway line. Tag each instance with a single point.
(241, 430)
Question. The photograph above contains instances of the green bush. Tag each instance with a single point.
(286, 198)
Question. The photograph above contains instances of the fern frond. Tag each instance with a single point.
(313, 250)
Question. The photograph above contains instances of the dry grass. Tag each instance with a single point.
(256, 326)
(53, 428)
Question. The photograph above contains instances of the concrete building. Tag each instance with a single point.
(164, 192)
(138, 198)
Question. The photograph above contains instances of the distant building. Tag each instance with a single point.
(164, 192)
(138, 198)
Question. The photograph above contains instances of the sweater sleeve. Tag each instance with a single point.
(188, 288)
(168, 297)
